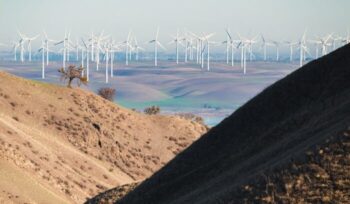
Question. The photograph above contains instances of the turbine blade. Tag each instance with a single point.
(160, 45)
(228, 33)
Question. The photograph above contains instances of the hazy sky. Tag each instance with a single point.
(277, 19)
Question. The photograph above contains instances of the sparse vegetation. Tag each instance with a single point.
(152, 110)
(192, 117)
(73, 73)
(107, 93)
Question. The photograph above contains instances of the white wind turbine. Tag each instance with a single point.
(201, 45)
(30, 40)
(227, 43)
(65, 49)
(99, 40)
(302, 48)
(335, 39)
(323, 42)
(87, 59)
(249, 44)
(92, 43)
(186, 44)
(21, 44)
(14, 48)
(277, 45)
(127, 45)
(291, 46)
(156, 44)
(191, 47)
(206, 39)
(243, 47)
(43, 50)
(47, 41)
(177, 41)
(114, 48)
(76, 46)
(231, 44)
(137, 48)
(264, 45)
(105, 49)
(317, 43)
(68, 46)
(198, 48)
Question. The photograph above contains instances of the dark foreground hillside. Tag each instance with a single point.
(290, 143)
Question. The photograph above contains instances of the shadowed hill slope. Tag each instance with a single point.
(297, 114)
(62, 145)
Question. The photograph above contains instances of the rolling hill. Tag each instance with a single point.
(61, 145)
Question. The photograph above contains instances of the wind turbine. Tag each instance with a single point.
(324, 42)
(243, 46)
(30, 40)
(264, 46)
(191, 47)
(227, 42)
(249, 44)
(21, 44)
(156, 44)
(67, 44)
(137, 48)
(335, 39)
(14, 48)
(177, 41)
(65, 49)
(186, 40)
(199, 48)
(206, 39)
(47, 40)
(87, 59)
(302, 48)
(43, 50)
(127, 47)
(106, 56)
(99, 40)
(291, 45)
(231, 44)
(317, 43)
(277, 45)
(114, 48)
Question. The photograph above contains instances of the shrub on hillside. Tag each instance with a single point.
(152, 110)
(71, 73)
(192, 117)
(107, 93)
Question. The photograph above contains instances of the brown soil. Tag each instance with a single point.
(75, 144)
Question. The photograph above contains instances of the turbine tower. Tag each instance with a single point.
(47, 41)
(87, 59)
(291, 45)
(302, 49)
(156, 44)
(137, 48)
(264, 46)
(43, 50)
(206, 38)
(277, 45)
(127, 47)
(177, 41)
(21, 44)
(231, 44)
(30, 40)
